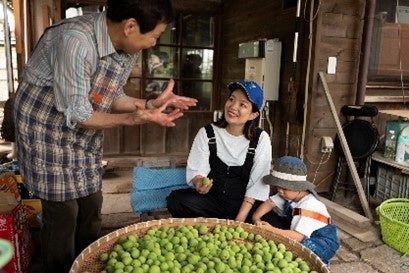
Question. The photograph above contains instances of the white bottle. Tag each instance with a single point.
(400, 148)
(390, 144)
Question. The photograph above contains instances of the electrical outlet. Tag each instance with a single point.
(326, 144)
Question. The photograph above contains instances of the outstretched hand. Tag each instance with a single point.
(156, 110)
(156, 115)
(171, 99)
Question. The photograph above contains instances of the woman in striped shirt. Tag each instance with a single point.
(72, 89)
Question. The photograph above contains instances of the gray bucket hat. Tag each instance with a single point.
(290, 173)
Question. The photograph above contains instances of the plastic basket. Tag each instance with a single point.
(394, 221)
(88, 260)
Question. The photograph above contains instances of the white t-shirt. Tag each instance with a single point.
(303, 224)
(232, 150)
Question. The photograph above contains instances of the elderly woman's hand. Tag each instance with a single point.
(155, 115)
(167, 97)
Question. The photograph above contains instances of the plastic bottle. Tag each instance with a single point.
(400, 148)
(390, 144)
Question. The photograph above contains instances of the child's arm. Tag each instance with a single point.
(245, 209)
(265, 207)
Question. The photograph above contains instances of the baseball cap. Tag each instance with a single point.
(253, 91)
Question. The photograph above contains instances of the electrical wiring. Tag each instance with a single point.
(307, 76)
(313, 16)
(270, 124)
(320, 164)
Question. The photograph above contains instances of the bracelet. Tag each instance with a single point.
(146, 103)
(247, 201)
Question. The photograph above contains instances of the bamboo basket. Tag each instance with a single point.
(88, 260)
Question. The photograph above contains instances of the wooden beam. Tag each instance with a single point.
(18, 30)
(386, 98)
(347, 152)
(188, 6)
(202, 6)
(351, 222)
(46, 16)
(83, 2)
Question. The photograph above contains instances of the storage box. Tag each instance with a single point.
(9, 183)
(391, 183)
(14, 228)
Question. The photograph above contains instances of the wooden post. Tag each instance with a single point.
(347, 152)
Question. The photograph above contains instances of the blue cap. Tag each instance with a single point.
(253, 91)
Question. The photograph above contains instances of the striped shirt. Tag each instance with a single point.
(74, 70)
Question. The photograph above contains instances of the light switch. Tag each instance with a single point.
(332, 65)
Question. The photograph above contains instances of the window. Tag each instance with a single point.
(388, 73)
(185, 53)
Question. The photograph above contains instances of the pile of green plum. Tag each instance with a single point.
(200, 249)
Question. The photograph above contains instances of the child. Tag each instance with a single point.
(295, 210)
(234, 155)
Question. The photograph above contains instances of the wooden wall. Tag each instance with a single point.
(253, 20)
(336, 31)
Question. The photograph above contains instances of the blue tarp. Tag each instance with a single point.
(151, 187)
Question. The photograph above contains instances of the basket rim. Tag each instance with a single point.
(390, 201)
(192, 221)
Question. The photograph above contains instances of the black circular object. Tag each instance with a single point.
(362, 138)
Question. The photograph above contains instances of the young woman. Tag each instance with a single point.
(295, 210)
(227, 161)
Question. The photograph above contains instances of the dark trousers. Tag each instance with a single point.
(68, 227)
(188, 203)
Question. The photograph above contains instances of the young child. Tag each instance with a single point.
(295, 210)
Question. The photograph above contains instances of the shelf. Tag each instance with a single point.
(378, 157)
(399, 113)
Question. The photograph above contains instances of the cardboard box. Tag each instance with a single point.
(9, 183)
(34, 206)
(14, 228)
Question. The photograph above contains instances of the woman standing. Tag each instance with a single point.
(71, 90)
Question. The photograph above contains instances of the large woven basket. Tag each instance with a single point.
(394, 221)
(88, 260)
